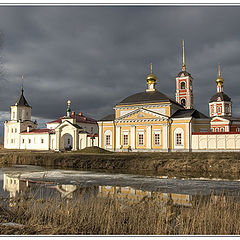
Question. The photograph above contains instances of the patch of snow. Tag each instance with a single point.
(11, 224)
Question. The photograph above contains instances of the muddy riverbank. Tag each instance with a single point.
(221, 162)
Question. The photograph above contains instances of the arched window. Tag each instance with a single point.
(183, 102)
(183, 85)
(108, 138)
(178, 138)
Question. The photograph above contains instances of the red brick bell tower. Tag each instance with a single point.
(184, 92)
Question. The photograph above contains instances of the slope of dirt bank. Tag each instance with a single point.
(221, 162)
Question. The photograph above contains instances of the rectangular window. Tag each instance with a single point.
(12, 130)
(13, 114)
(29, 140)
(140, 139)
(15, 130)
(219, 109)
(156, 138)
(42, 140)
(23, 140)
(108, 140)
(125, 139)
(11, 140)
(178, 138)
(237, 129)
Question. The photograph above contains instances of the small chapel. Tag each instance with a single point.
(70, 132)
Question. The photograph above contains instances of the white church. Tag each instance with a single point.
(70, 132)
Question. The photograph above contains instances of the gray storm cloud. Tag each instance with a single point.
(96, 56)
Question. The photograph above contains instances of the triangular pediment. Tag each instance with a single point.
(142, 114)
(69, 124)
(219, 120)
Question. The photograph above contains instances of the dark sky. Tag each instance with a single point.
(97, 56)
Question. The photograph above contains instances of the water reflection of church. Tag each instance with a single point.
(17, 186)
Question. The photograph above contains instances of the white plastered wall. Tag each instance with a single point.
(216, 142)
(34, 141)
(85, 141)
(12, 130)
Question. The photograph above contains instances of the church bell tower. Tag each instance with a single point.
(220, 104)
(184, 91)
(21, 111)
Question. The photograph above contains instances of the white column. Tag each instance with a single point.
(74, 140)
(149, 137)
(165, 137)
(223, 108)
(58, 139)
(133, 140)
(100, 136)
(190, 135)
(118, 137)
(187, 136)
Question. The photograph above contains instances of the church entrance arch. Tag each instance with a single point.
(67, 141)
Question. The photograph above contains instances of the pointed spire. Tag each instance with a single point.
(22, 100)
(22, 84)
(219, 80)
(151, 67)
(68, 108)
(184, 65)
(219, 71)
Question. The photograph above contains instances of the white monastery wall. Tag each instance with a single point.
(52, 142)
(35, 141)
(216, 142)
(52, 125)
(85, 141)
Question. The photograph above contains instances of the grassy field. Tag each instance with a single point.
(219, 164)
(108, 216)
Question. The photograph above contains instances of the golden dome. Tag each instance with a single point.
(151, 78)
(219, 81)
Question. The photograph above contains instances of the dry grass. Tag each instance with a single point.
(93, 150)
(93, 215)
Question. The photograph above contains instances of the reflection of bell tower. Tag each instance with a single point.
(184, 92)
